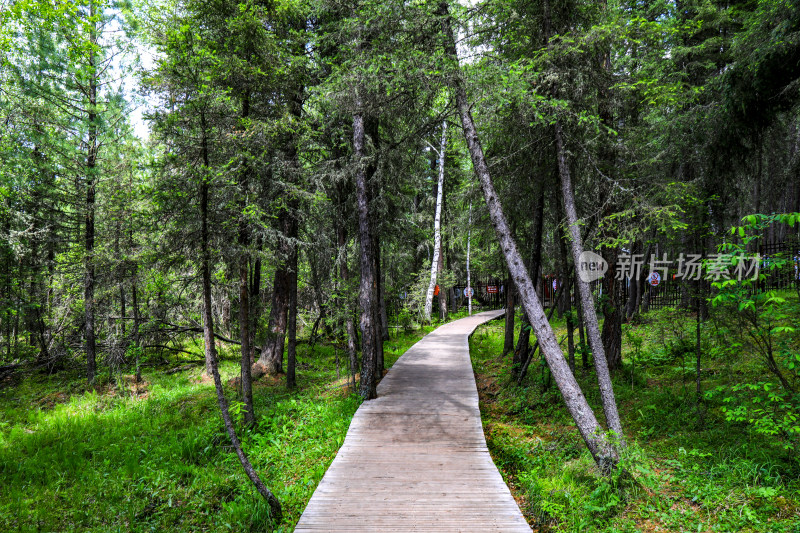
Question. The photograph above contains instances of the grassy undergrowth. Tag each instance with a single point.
(156, 458)
(690, 469)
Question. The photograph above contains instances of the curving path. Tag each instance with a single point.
(415, 459)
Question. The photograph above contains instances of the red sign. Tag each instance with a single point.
(654, 279)
(436, 291)
(491, 289)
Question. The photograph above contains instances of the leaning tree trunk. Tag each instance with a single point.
(593, 435)
(437, 221)
(211, 358)
(365, 293)
(587, 301)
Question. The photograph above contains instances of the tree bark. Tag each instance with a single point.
(365, 294)
(207, 311)
(595, 438)
(437, 220)
(135, 304)
(508, 343)
(523, 342)
(382, 301)
(442, 289)
(291, 346)
(91, 164)
(612, 314)
(271, 360)
(211, 359)
(350, 328)
(255, 299)
(587, 301)
(378, 294)
(244, 287)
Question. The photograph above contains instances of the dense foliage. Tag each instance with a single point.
(184, 181)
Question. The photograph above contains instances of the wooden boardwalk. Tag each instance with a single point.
(415, 459)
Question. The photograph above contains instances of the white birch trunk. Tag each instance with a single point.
(437, 234)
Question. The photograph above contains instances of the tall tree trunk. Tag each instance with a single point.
(437, 220)
(442, 289)
(271, 360)
(587, 301)
(567, 297)
(135, 304)
(291, 346)
(643, 292)
(365, 294)
(211, 356)
(612, 314)
(255, 299)
(91, 164)
(508, 341)
(523, 343)
(378, 323)
(207, 309)
(595, 438)
(122, 309)
(382, 301)
(244, 286)
(581, 337)
(633, 287)
(344, 274)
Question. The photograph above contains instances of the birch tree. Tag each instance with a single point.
(437, 226)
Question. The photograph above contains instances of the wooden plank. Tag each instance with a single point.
(415, 458)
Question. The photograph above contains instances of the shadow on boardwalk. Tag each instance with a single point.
(415, 458)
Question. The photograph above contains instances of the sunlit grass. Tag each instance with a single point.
(157, 459)
(688, 472)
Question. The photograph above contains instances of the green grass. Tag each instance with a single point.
(108, 459)
(690, 469)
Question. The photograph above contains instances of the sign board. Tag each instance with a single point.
(555, 284)
(491, 289)
(654, 279)
(468, 292)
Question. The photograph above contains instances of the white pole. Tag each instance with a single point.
(469, 238)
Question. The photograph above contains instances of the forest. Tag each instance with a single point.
(223, 221)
